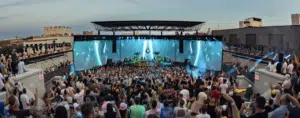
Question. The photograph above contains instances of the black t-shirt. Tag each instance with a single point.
(294, 112)
(278, 67)
(238, 101)
(110, 115)
(260, 115)
(20, 113)
(123, 113)
(211, 111)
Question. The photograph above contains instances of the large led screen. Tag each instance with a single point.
(206, 54)
(146, 48)
(203, 54)
(88, 54)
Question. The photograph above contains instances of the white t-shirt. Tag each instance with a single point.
(290, 69)
(223, 88)
(203, 115)
(284, 67)
(79, 97)
(79, 85)
(185, 93)
(25, 101)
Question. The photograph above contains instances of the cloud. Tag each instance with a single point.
(23, 2)
(133, 1)
(3, 18)
(17, 3)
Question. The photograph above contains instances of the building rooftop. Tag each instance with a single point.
(278, 26)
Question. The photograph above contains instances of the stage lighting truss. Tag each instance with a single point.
(149, 28)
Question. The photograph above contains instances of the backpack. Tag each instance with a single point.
(180, 114)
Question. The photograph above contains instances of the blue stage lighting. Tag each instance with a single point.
(144, 48)
(198, 53)
(275, 56)
(191, 49)
(288, 56)
(151, 49)
(96, 47)
(259, 60)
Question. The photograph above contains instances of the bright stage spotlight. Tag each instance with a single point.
(275, 56)
(151, 49)
(191, 49)
(144, 48)
(260, 60)
(96, 47)
(288, 56)
(198, 52)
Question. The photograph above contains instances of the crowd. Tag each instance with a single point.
(257, 53)
(35, 52)
(9, 63)
(57, 67)
(155, 92)
(286, 67)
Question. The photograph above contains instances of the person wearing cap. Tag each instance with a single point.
(123, 110)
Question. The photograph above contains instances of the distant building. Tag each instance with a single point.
(251, 22)
(241, 24)
(10, 42)
(57, 31)
(295, 19)
(49, 40)
(87, 32)
(275, 38)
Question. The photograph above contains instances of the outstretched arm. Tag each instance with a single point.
(235, 111)
(7, 95)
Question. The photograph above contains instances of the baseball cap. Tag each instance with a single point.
(123, 106)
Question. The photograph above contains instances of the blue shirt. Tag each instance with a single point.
(2, 66)
(79, 115)
(166, 112)
(279, 112)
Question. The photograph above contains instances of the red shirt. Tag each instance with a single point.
(215, 94)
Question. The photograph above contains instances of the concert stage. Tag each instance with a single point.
(95, 50)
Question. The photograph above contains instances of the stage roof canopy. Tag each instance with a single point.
(148, 25)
